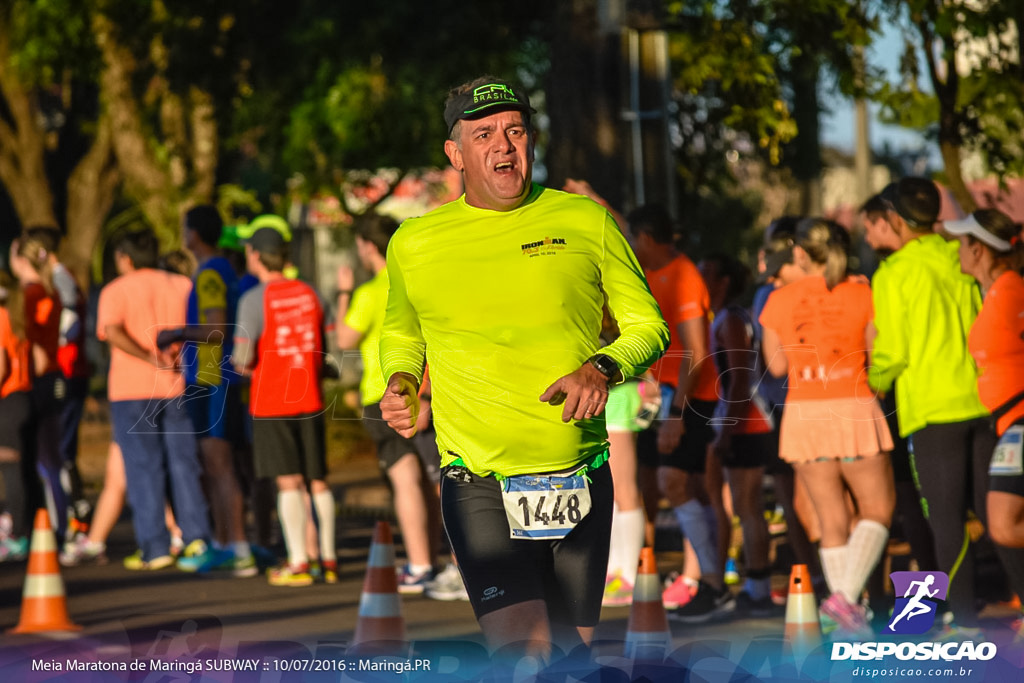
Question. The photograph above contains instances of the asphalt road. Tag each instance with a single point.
(209, 627)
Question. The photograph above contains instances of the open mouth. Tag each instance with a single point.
(503, 166)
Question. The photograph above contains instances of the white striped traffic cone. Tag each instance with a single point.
(380, 628)
(648, 637)
(803, 630)
(43, 606)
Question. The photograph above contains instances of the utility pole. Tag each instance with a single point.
(648, 78)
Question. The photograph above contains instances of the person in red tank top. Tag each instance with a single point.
(279, 343)
(74, 365)
(30, 263)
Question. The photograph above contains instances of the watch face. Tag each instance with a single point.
(606, 365)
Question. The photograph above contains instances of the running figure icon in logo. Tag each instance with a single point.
(916, 608)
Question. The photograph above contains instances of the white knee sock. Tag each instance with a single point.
(833, 566)
(323, 502)
(695, 527)
(864, 548)
(630, 541)
(292, 511)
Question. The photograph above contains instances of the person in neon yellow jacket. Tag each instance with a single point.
(924, 308)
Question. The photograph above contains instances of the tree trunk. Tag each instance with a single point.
(92, 188)
(205, 145)
(188, 134)
(954, 177)
(22, 148)
(145, 177)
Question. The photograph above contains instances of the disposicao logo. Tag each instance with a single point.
(914, 612)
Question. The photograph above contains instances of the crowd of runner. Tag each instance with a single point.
(865, 399)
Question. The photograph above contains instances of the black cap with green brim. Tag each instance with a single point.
(484, 100)
(266, 239)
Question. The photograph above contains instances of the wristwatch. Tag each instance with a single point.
(607, 366)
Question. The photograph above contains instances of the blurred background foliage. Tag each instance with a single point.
(147, 106)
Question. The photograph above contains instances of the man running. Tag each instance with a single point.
(914, 606)
(501, 291)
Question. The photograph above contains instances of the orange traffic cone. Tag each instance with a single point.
(803, 632)
(43, 607)
(380, 628)
(647, 635)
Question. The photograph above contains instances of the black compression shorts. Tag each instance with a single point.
(391, 446)
(567, 574)
(691, 452)
(290, 445)
(751, 450)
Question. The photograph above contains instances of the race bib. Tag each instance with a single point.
(544, 508)
(1006, 458)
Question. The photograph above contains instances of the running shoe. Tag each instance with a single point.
(135, 563)
(746, 606)
(679, 591)
(82, 551)
(329, 570)
(6, 525)
(776, 521)
(198, 557)
(243, 567)
(13, 549)
(617, 591)
(447, 586)
(732, 577)
(852, 619)
(413, 584)
(706, 605)
(286, 575)
(219, 560)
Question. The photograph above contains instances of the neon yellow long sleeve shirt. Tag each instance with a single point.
(503, 303)
(924, 308)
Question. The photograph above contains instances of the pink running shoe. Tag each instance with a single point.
(850, 618)
(678, 593)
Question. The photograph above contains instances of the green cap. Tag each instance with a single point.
(267, 220)
(229, 239)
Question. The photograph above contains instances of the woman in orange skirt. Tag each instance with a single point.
(816, 331)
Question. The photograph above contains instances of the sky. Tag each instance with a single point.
(838, 126)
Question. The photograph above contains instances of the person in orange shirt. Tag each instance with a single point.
(833, 429)
(16, 459)
(149, 420)
(674, 449)
(990, 251)
(30, 263)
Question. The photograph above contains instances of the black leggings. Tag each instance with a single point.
(951, 464)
